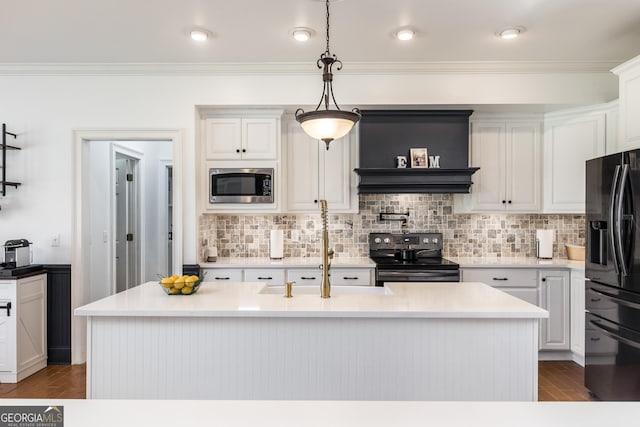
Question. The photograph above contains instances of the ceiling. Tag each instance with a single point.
(257, 31)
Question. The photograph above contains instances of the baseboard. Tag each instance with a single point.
(549, 355)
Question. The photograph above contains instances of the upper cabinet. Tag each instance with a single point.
(629, 84)
(572, 137)
(241, 138)
(508, 155)
(315, 173)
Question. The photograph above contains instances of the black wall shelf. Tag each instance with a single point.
(4, 147)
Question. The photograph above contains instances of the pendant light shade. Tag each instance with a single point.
(327, 124)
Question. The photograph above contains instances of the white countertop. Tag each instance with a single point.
(288, 262)
(249, 413)
(517, 262)
(242, 299)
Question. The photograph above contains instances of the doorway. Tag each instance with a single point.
(127, 223)
(91, 207)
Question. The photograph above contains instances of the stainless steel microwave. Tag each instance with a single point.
(234, 185)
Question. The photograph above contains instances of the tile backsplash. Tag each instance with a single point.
(492, 235)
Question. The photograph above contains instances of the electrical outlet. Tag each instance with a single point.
(55, 240)
(295, 235)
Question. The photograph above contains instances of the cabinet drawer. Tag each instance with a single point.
(502, 277)
(267, 275)
(351, 276)
(223, 275)
(305, 276)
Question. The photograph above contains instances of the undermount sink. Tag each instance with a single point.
(335, 290)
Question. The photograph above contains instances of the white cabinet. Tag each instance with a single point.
(23, 327)
(234, 138)
(508, 155)
(577, 316)
(302, 275)
(270, 276)
(547, 288)
(554, 297)
(314, 173)
(629, 86)
(520, 283)
(571, 137)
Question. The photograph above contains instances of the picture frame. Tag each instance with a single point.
(419, 158)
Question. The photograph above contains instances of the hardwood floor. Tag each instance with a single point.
(557, 381)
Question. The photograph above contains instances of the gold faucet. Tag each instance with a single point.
(327, 254)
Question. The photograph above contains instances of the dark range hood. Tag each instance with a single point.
(386, 134)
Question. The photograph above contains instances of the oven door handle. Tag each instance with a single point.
(421, 273)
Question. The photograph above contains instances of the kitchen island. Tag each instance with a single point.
(418, 341)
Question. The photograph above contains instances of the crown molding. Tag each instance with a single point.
(626, 66)
(297, 68)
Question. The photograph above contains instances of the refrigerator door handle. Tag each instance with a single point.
(619, 219)
(612, 216)
(616, 299)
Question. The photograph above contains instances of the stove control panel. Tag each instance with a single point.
(378, 241)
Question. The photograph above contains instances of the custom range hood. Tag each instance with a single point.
(386, 135)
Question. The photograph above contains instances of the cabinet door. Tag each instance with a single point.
(259, 138)
(554, 297)
(223, 138)
(523, 167)
(301, 277)
(8, 327)
(302, 170)
(488, 153)
(270, 276)
(31, 321)
(577, 315)
(335, 177)
(352, 276)
(629, 132)
(568, 143)
(222, 274)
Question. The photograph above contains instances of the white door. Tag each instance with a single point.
(335, 179)
(127, 256)
(259, 138)
(223, 138)
(302, 170)
(523, 166)
(488, 153)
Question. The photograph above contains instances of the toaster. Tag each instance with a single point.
(17, 252)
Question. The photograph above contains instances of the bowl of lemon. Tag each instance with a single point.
(180, 285)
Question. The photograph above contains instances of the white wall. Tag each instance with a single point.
(45, 109)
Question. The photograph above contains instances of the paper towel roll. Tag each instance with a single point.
(276, 244)
(544, 243)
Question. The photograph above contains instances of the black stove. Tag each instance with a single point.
(9, 270)
(411, 257)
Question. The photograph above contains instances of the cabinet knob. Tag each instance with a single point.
(315, 201)
(504, 201)
(244, 150)
(238, 150)
(509, 201)
(544, 279)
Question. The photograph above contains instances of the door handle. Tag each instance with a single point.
(612, 216)
(620, 218)
(265, 278)
(500, 278)
(7, 307)
(308, 278)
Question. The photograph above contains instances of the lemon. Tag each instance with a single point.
(167, 282)
(191, 281)
(174, 291)
(178, 285)
(187, 290)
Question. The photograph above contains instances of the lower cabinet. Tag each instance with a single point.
(23, 327)
(339, 276)
(554, 297)
(577, 319)
(546, 288)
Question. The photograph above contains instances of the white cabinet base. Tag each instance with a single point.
(311, 358)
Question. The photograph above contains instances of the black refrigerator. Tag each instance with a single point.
(612, 269)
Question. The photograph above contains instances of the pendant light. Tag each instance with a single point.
(326, 124)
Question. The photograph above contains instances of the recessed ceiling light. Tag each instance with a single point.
(405, 34)
(510, 33)
(301, 34)
(199, 35)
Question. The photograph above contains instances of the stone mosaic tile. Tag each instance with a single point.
(492, 235)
